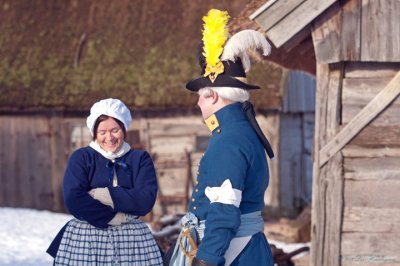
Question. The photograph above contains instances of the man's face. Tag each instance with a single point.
(205, 104)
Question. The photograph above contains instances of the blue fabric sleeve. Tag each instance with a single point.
(76, 186)
(223, 220)
(140, 199)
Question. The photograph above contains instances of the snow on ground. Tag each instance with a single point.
(25, 235)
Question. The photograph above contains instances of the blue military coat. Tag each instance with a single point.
(234, 153)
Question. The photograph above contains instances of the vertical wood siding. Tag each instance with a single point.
(370, 232)
(358, 30)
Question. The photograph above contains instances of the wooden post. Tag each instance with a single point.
(327, 202)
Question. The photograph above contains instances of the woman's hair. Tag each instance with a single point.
(227, 93)
(105, 117)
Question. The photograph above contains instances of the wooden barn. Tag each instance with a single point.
(353, 48)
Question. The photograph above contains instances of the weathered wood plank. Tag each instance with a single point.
(171, 180)
(369, 260)
(372, 168)
(357, 92)
(371, 220)
(327, 180)
(372, 193)
(380, 31)
(334, 40)
(296, 20)
(362, 90)
(382, 246)
(378, 136)
(178, 130)
(384, 98)
(40, 179)
(389, 117)
(167, 144)
(353, 151)
(59, 150)
(350, 31)
(273, 11)
(371, 70)
(326, 35)
(318, 186)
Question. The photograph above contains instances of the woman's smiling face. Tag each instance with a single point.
(109, 135)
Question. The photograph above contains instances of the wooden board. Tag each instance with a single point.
(327, 180)
(334, 40)
(358, 92)
(371, 220)
(353, 151)
(383, 136)
(273, 12)
(374, 107)
(380, 31)
(372, 168)
(372, 193)
(370, 248)
(371, 70)
(296, 20)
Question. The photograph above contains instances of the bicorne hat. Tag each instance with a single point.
(224, 61)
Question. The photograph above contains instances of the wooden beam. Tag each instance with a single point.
(365, 116)
(273, 11)
(327, 202)
(294, 21)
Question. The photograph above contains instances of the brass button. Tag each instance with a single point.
(218, 130)
(194, 208)
(196, 190)
(193, 199)
(197, 181)
(198, 172)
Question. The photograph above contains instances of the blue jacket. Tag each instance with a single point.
(235, 153)
(135, 194)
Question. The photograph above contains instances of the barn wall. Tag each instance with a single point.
(33, 154)
(370, 231)
(358, 30)
(34, 151)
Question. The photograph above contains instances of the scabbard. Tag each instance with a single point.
(248, 109)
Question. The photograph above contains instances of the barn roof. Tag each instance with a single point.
(297, 52)
(285, 21)
(65, 55)
(306, 32)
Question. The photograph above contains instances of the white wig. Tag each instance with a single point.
(227, 93)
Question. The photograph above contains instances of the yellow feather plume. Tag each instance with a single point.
(215, 34)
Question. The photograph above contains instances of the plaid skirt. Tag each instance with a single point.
(126, 244)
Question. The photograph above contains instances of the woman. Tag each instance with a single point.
(106, 187)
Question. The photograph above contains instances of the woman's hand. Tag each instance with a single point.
(102, 194)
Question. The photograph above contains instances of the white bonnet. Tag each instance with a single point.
(110, 107)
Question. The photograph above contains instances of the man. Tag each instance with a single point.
(224, 225)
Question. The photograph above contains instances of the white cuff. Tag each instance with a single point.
(224, 194)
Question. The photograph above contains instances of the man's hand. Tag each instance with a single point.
(198, 262)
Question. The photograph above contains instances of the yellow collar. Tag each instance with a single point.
(212, 122)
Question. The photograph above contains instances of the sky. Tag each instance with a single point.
(25, 235)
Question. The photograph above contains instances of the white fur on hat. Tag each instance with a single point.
(110, 107)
